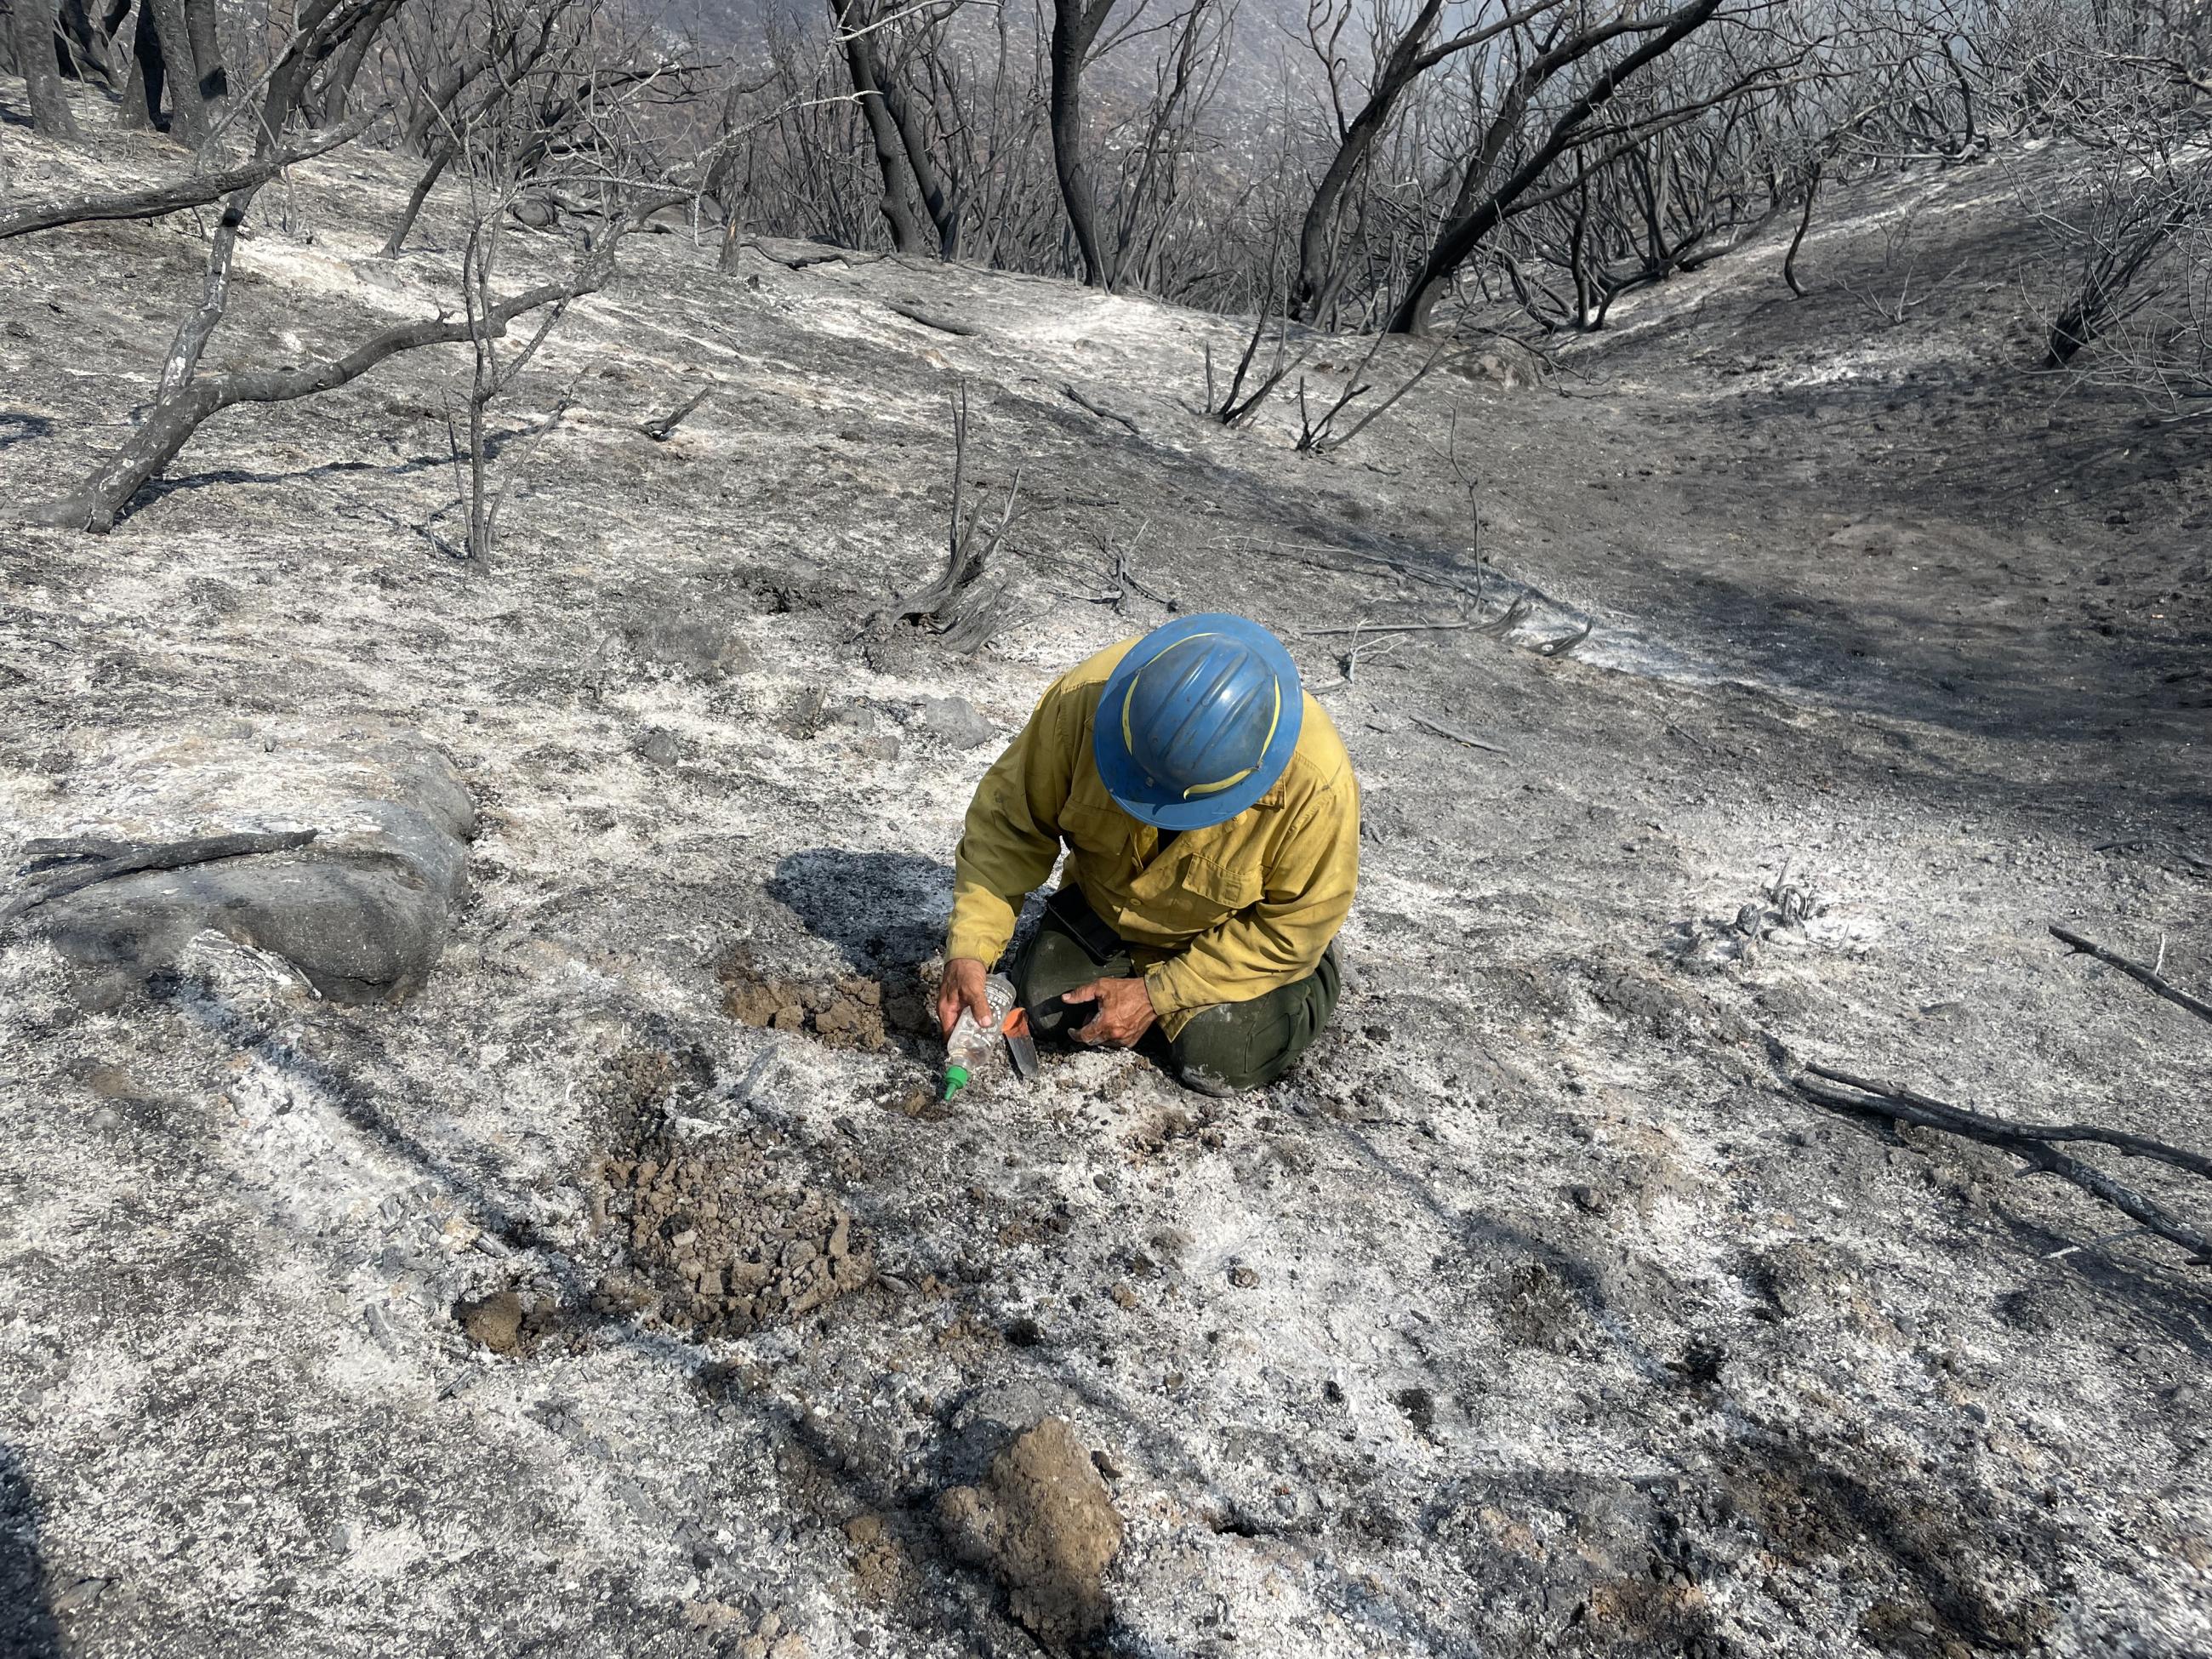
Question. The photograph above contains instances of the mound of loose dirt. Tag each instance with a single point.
(848, 1012)
(1042, 1521)
(719, 1243)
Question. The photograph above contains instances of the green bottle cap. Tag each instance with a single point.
(955, 1079)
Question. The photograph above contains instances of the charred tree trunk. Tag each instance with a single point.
(188, 112)
(1476, 214)
(439, 96)
(1311, 288)
(35, 37)
(440, 160)
(883, 131)
(84, 39)
(1075, 26)
(200, 27)
(142, 93)
(327, 107)
(516, 59)
(936, 201)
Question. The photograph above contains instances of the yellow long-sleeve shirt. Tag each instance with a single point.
(1225, 914)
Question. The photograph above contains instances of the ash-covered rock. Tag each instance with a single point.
(1043, 1523)
(363, 910)
(720, 1243)
(953, 721)
(691, 646)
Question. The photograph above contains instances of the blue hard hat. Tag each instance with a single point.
(1197, 721)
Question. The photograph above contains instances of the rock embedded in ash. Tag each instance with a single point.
(691, 646)
(660, 747)
(953, 721)
(533, 212)
(363, 910)
(1042, 1522)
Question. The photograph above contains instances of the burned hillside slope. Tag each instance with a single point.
(1534, 1311)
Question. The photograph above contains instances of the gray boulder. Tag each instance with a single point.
(690, 645)
(361, 910)
(953, 721)
(534, 212)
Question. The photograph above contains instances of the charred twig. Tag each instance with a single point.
(1396, 628)
(2147, 977)
(1473, 501)
(1126, 575)
(109, 859)
(1075, 395)
(829, 256)
(1458, 735)
(930, 319)
(1315, 436)
(1793, 904)
(1566, 643)
(195, 191)
(1507, 620)
(661, 430)
(1348, 661)
(2029, 1141)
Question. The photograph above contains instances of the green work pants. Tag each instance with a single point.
(1223, 1050)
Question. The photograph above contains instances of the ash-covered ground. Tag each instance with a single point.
(1536, 1312)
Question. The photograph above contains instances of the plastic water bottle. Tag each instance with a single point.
(969, 1045)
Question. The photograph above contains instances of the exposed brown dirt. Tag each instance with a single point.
(1043, 1523)
(847, 1012)
(720, 1243)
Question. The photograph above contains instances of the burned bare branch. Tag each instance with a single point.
(664, 428)
(2035, 1143)
(2146, 977)
(63, 868)
(198, 190)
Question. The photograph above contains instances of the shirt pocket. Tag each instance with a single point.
(1226, 887)
(1090, 830)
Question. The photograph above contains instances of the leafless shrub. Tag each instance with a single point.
(1318, 435)
(580, 129)
(963, 604)
(1902, 283)
(1235, 404)
(2125, 296)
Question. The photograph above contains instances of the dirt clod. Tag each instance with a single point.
(502, 1322)
(1043, 1523)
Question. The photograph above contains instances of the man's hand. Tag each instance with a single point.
(1125, 1010)
(962, 988)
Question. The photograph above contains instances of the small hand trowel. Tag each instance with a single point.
(1021, 1047)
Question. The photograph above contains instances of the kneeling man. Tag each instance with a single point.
(1212, 830)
